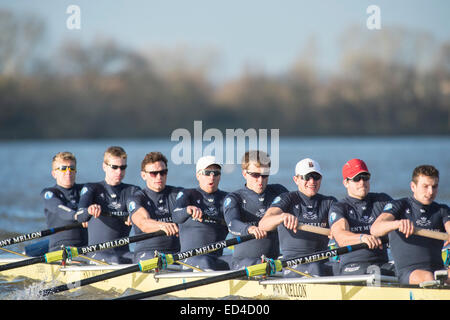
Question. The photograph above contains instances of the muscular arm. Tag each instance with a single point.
(142, 220)
(274, 216)
(340, 231)
(386, 223)
(184, 210)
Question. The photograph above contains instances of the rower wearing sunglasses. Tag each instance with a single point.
(304, 206)
(245, 207)
(351, 219)
(61, 202)
(199, 214)
(105, 205)
(151, 209)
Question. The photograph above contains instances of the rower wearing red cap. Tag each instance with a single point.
(351, 218)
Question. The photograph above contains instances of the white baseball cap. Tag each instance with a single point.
(205, 162)
(306, 166)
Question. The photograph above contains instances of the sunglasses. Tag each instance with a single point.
(115, 167)
(65, 168)
(256, 175)
(215, 173)
(363, 176)
(154, 174)
(314, 175)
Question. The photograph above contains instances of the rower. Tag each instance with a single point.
(151, 209)
(61, 202)
(104, 205)
(416, 258)
(244, 208)
(199, 215)
(351, 218)
(306, 206)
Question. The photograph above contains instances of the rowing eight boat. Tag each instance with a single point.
(367, 287)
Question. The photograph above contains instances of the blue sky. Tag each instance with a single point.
(268, 34)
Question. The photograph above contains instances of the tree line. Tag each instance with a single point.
(390, 82)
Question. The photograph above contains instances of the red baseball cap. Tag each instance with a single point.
(353, 167)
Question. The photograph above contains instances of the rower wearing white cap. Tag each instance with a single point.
(199, 215)
(245, 207)
(306, 206)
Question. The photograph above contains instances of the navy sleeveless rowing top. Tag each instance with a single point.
(60, 208)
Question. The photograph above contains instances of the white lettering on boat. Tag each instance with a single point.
(290, 289)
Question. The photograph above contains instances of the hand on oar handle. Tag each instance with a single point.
(95, 210)
(406, 227)
(371, 241)
(290, 221)
(195, 213)
(257, 232)
(171, 229)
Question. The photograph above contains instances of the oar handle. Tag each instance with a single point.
(218, 220)
(68, 227)
(314, 229)
(417, 231)
(431, 234)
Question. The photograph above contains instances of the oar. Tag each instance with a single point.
(266, 268)
(314, 229)
(74, 251)
(38, 234)
(430, 234)
(417, 231)
(150, 264)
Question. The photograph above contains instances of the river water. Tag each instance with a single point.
(25, 170)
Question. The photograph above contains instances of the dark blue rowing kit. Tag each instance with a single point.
(110, 225)
(160, 206)
(360, 215)
(416, 252)
(60, 207)
(312, 211)
(195, 234)
(245, 208)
